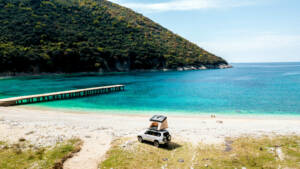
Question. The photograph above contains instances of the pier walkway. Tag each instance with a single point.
(60, 95)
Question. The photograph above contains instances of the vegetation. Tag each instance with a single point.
(265, 152)
(88, 35)
(20, 156)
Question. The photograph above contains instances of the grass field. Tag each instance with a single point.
(265, 152)
(23, 155)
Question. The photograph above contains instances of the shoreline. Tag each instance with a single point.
(143, 113)
(8, 75)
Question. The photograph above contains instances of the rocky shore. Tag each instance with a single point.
(184, 68)
(204, 67)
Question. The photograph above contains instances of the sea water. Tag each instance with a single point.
(246, 89)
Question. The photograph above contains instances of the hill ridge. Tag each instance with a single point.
(90, 36)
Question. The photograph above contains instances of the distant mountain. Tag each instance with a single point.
(90, 35)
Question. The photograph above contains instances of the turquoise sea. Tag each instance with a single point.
(246, 89)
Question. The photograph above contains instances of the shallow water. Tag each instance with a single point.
(247, 89)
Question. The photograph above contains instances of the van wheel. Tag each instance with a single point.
(156, 143)
(140, 139)
(169, 138)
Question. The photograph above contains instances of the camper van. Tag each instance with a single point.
(156, 132)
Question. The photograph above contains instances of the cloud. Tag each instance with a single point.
(184, 5)
(261, 47)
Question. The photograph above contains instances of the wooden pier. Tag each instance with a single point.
(60, 95)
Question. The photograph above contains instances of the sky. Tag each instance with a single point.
(236, 30)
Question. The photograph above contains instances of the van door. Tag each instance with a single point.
(155, 136)
(148, 136)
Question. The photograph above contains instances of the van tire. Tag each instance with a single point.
(140, 139)
(169, 138)
(156, 143)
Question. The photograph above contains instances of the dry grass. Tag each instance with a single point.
(265, 152)
(145, 155)
(21, 155)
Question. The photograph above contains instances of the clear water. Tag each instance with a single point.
(247, 89)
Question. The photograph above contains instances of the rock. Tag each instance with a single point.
(244, 168)
(102, 128)
(87, 136)
(202, 68)
(279, 153)
(164, 166)
(165, 159)
(3, 147)
(181, 160)
(189, 68)
(22, 139)
(180, 69)
(272, 149)
(127, 144)
(205, 165)
(219, 121)
(14, 123)
(28, 133)
(223, 66)
(228, 147)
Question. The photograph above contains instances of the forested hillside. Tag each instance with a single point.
(89, 35)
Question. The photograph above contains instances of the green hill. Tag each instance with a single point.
(89, 35)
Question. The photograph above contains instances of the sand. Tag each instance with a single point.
(46, 127)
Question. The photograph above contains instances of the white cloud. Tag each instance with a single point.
(262, 47)
(184, 5)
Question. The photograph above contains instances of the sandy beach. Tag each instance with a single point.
(46, 127)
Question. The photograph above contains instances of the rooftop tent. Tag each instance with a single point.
(158, 122)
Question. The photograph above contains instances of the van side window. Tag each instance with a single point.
(156, 134)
